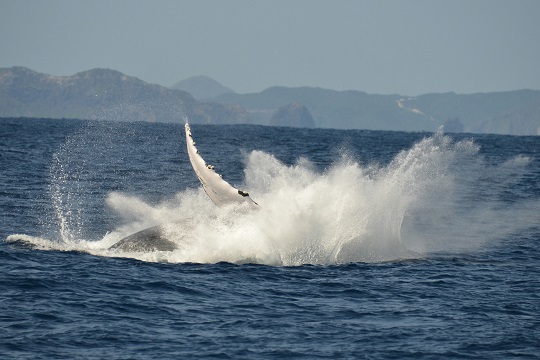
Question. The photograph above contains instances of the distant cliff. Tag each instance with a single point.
(292, 115)
(103, 94)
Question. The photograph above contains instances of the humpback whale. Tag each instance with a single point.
(217, 189)
(151, 239)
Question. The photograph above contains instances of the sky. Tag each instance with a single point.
(378, 46)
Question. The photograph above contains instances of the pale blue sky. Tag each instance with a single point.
(405, 47)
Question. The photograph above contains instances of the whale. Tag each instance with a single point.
(147, 240)
(218, 190)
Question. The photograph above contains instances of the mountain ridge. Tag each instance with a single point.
(112, 95)
(102, 94)
(515, 112)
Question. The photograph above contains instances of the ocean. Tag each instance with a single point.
(367, 244)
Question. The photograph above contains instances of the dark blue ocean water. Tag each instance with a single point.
(368, 244)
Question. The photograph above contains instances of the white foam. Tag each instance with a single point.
(439, 195)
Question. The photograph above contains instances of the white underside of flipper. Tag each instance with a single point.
(220, 191)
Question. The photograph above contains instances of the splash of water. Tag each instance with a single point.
(439, 195)
(67, 169)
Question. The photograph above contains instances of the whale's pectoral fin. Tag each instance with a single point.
(220, 191)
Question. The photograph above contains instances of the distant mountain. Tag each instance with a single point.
(511, 112)
(111, 95)
(202, 87)
(333, 109)
(103, 94)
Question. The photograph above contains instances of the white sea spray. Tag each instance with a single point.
(437, 196)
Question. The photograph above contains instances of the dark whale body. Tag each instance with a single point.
(151, 239)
